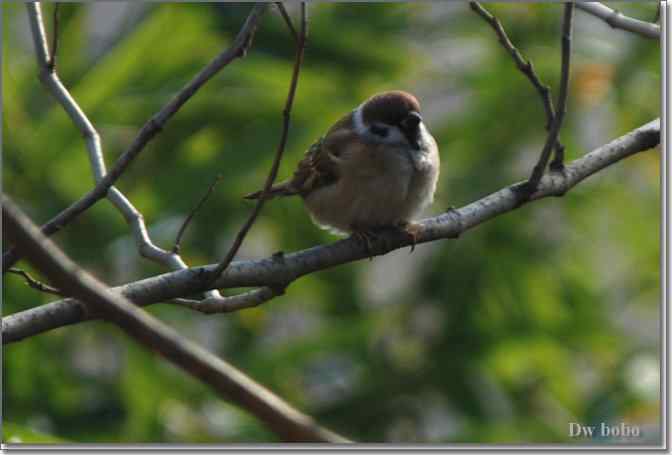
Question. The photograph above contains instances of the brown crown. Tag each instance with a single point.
(389, 107)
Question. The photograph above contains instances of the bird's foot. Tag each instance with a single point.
(369, 235)
(366, 237)
(412, 230)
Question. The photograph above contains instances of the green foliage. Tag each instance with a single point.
(17, 434)
(535, 319)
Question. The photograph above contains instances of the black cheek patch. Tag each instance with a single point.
(413, 137)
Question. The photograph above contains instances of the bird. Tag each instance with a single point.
(376, 168)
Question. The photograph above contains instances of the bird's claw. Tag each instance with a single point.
(366, 237)
(411, 230)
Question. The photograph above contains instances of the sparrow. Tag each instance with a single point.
(375, 168)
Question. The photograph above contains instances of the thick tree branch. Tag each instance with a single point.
(148, 132)
(280, 270)
(617, 20)
(286, 112)
(552, 138)
(232, 384)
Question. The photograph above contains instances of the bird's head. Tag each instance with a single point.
(390, 118)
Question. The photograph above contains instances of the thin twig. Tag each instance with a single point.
(552, 138)
(617, 20)
(558, 163)
(187, 220)
(278, 155)
(151, 128)
(35, 284)
(51, 64)
(229, 382)
(656, 18)
(229, 304)
(285, 268)
(524, 65)
(288, 20)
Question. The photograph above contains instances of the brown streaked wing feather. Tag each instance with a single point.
(315, 170)
(318, 167)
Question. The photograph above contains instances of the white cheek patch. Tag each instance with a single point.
(425, 137)
(394, 136)
(358, 122)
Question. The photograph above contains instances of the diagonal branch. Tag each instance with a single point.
(229, 382)
(153, 126)
(288, 20)
(552, 138)
(51, 64)
(524, 65)
(35, 284)
(282, 270)
(301, 45)
(187, 220)
(617, 20)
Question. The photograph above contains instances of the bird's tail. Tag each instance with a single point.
(279, 190)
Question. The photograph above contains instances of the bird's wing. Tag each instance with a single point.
(321, 164)
(315, 170)
(318, 168)
(323, 161)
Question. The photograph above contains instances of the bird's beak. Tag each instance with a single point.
(409, 126)
(411, 121)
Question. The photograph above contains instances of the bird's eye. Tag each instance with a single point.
(379, 130)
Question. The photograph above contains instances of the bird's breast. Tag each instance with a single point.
(380, 187)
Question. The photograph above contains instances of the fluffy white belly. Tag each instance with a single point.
(359, 202)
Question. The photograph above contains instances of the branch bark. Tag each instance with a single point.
(279, 270)
(617, 20)
(288, 423)
(523, 64)
(552, 138)
(192, 213)
(234, 303)
(54, 38)
(35, 284)
(288, 20)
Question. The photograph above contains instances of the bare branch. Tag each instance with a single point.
(234, 303)
(54, 39)
(51, 81)
(657, 16)
(552, 138)
(35, 284)
(105, 181)
(281, 148)
(187, 220)
(617, 20)
(524, 65)
(288, 20)
(229, 382)
(280, 270)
